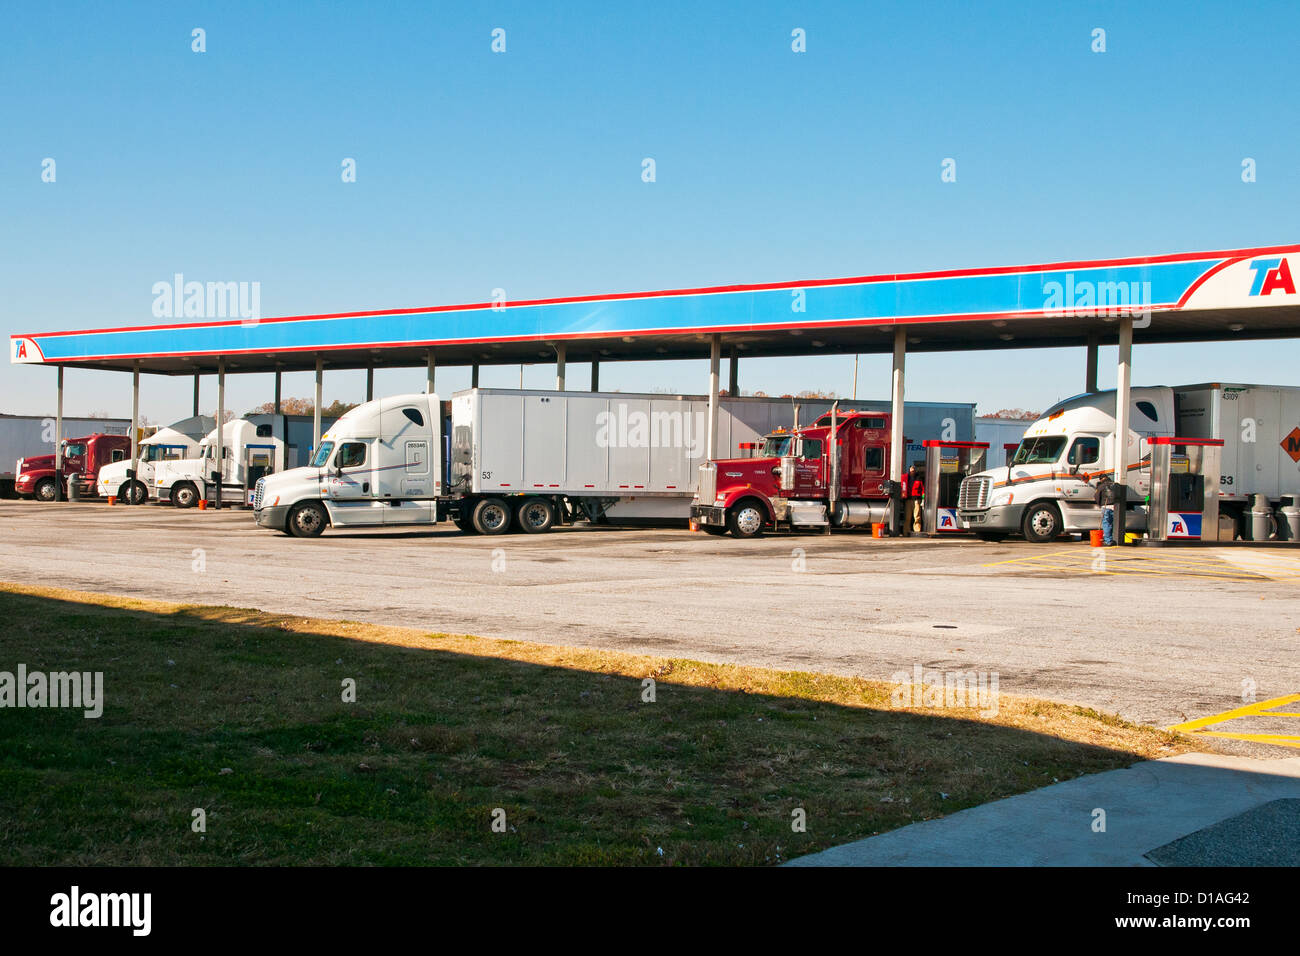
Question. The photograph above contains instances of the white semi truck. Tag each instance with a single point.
(171, 443)
(496, 459)
(1048, 488)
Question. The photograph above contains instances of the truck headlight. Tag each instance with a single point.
(1005, 498)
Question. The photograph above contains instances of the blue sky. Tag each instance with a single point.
(522, 170)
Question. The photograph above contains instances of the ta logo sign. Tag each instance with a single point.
(1272, 274)
(1178, 528)
(20, 349)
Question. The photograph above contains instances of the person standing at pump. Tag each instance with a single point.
(1106, 499)
(914, 489)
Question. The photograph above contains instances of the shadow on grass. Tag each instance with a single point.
(241, 715)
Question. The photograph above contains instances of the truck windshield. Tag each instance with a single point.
(322, 454)
(775, 446)
(1039, 451)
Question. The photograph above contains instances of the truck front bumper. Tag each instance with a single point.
(272, 517)
(1004, 518)
(709, 515)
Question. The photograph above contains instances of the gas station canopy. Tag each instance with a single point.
(1209, 296)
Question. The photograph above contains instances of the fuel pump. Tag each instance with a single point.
(259, 460)
(946, 464)
(1184, 503)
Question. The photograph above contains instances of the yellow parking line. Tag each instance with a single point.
(1279, 740)
(1249, 710)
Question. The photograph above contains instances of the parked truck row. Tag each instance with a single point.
(496, 460)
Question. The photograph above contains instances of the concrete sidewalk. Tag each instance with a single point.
(1151, 806)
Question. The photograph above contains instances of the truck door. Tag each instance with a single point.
(404, 466)
(1083, 461)
(808, 480)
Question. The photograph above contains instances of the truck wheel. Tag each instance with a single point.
(466, 524)
(185, 495)
(536, 515)
(1042, 523)
(133, 493)
(308, 520)
(746, 520)
(491, 516)
(44, 490)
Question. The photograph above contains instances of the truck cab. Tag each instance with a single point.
(249, 449)
(173, 443)
(83, 457)
(380, 463)
(802, 478)
(1048, 487)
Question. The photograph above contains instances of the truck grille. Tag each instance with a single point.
(257, 494)
(974, 494)
(708, 487)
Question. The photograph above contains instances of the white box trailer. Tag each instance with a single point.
(1260, 429)
(491, 459)
(27, 436)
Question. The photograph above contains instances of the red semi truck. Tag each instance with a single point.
(82, 457)
(794, 481)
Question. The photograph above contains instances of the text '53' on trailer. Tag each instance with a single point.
(493, 460)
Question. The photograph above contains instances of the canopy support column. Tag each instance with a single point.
(135, 428)
(1123, 381)
(431, 366)
(219, 475)
(370, 383)
(473, 375)
(561, 354)
(715, 357)
(595, 373)
(896, 438)
(733, 374)
(196, 393)
(58, 438)
(315, 421)
(1090, 377)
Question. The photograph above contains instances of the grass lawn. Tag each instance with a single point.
(240, 713)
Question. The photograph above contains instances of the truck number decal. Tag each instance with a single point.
(487, 476)
(1225, 479)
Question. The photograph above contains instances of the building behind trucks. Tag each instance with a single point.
(175, 442)
(251, 447)
(493, 460)
(23, 436)
(1049, 486)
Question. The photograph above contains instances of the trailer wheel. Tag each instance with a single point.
(536, 515)
(44, 490)
(185, 495)
(746, 519)
(1042, 523)
(133, 492)
(491, 516)
(308, 520)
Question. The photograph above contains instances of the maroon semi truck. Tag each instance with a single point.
(82, 457)
(794, 481)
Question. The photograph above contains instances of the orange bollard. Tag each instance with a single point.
(1095, 539)
(112, 500)
(203, 504)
